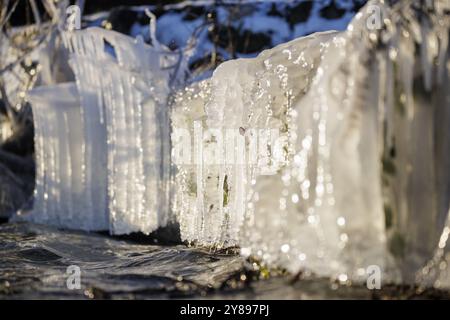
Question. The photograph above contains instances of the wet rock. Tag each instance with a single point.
(38, 255)
(20, 142)
(169, 235)
(22, 166)
(12, 192)
(110, 268)
(149, 271)
(16, 182)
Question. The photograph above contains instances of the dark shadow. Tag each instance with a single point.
(166, 236)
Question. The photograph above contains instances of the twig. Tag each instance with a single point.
(10, 66)
(34, 8)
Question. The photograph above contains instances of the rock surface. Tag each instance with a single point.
(34, 261)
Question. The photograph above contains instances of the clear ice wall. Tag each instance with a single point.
(122, 144)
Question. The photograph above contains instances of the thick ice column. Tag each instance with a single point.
(189, 108)
(370, 156)
(95, 151)
(329, 188)
(132, 186)
(127, 82)
(236, 125)
(62, 197)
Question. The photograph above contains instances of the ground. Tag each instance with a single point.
(34, 261)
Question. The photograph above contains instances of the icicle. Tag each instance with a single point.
(243, 97)
(152, 28)
(122, 158)
(62, 197)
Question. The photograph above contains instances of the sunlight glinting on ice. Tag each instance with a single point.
(365, 154)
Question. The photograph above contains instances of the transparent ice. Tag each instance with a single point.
(365, 178)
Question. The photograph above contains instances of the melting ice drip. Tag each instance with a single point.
(364, 174)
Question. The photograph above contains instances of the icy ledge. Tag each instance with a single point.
(102, 143)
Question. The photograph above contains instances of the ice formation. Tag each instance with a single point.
(362, 175)
(368, 178)
(236, 120)
(130, 95)
(329, 153)
(62, 196)
(118, 136)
